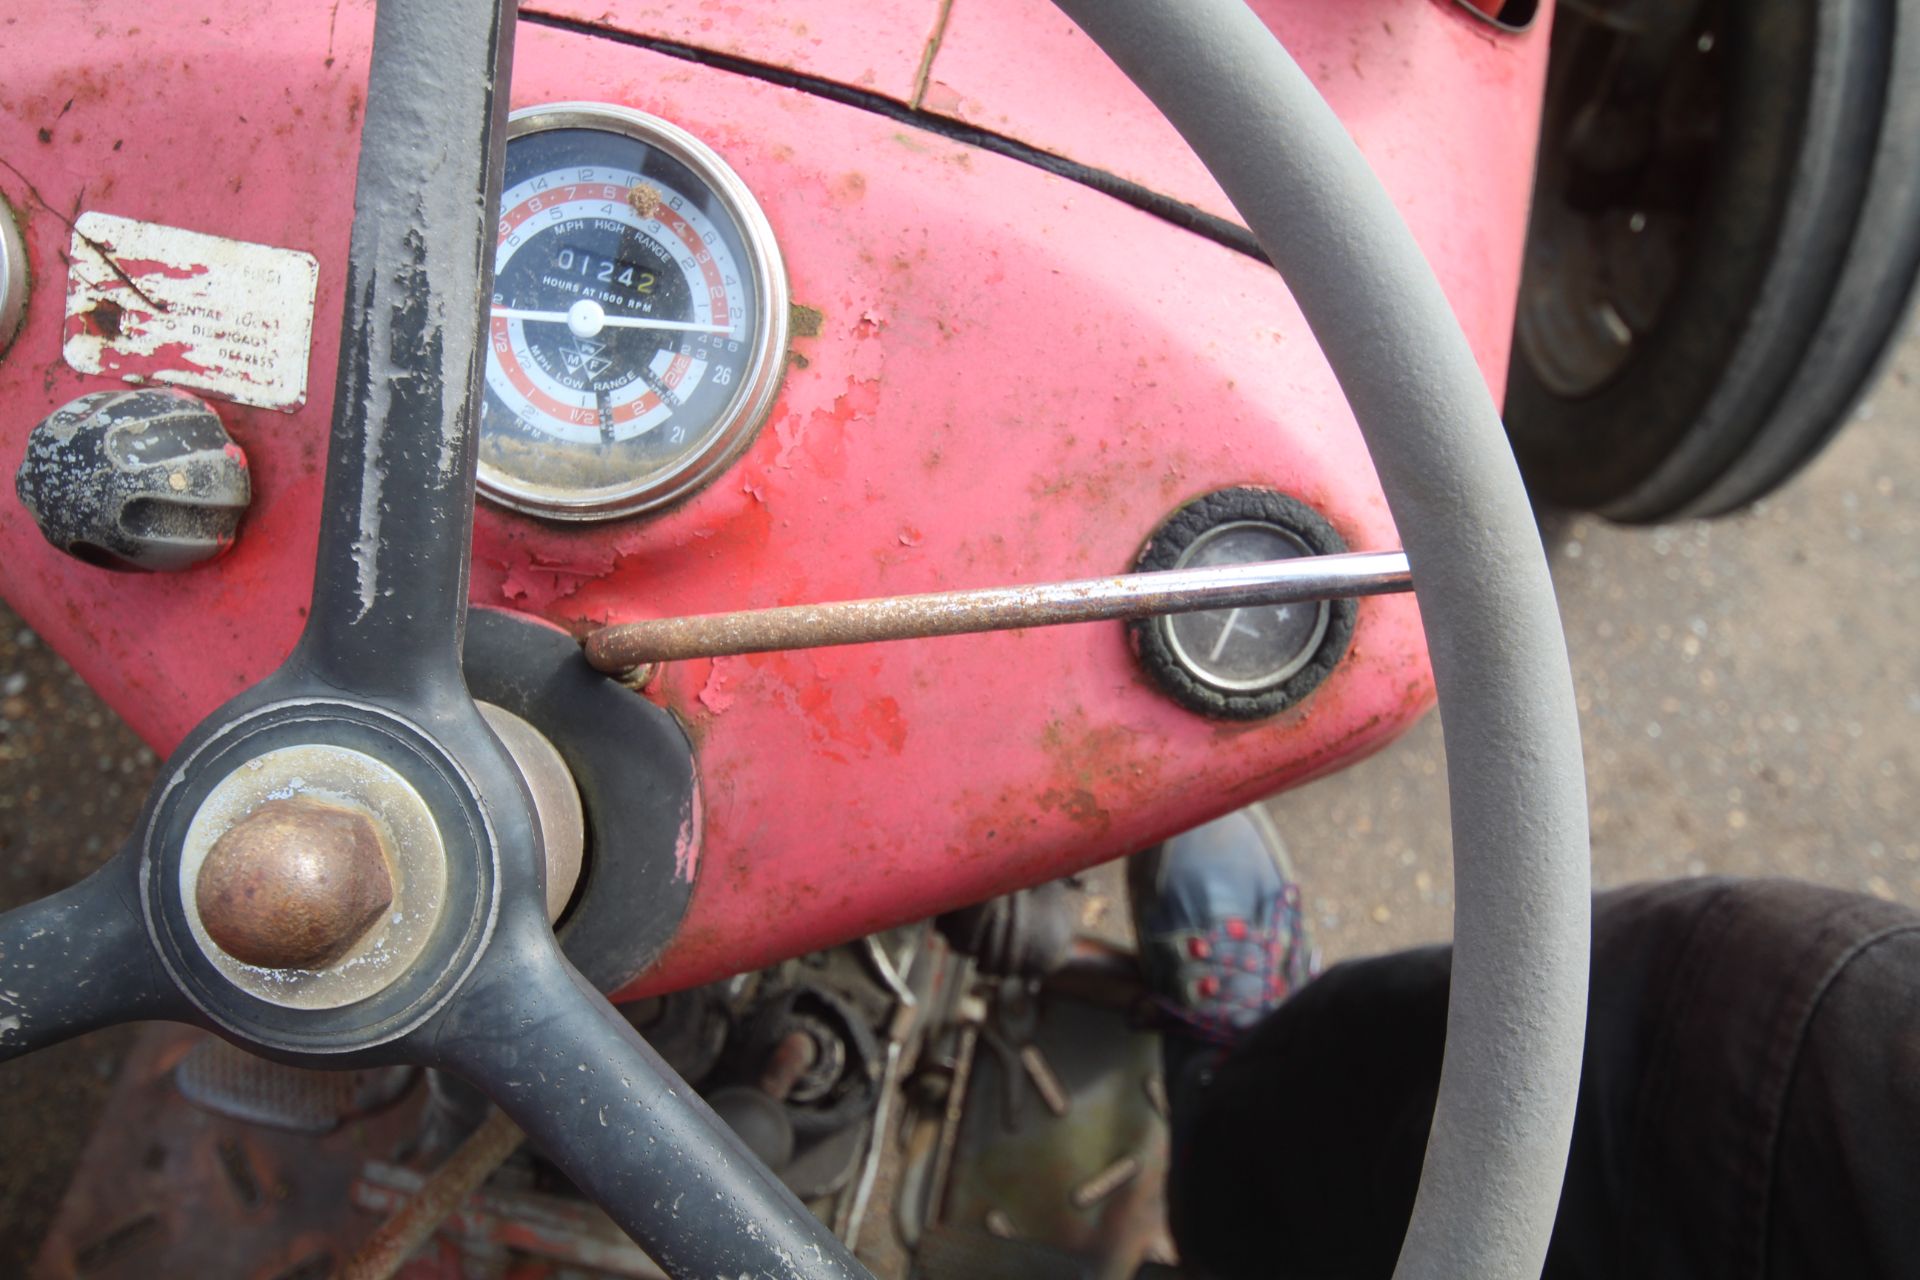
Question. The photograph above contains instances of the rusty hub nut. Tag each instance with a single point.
(294, 884)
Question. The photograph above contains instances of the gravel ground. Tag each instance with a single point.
(72, 778)
(1749, 687)
(1749, 693)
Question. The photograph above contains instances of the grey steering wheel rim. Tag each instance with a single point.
(1516, 1022)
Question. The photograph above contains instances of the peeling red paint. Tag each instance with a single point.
(713, 694)
(141, 268)
(686, 845)
(881, 720)
(990, 398)
(840, 722)
(167, 357)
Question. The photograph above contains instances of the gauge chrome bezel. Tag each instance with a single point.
(746, 412)
(14, 276)
(1213, 679)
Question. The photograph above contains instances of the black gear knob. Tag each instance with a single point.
(135, 480)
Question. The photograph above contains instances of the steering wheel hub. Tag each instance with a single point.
(312, 875)
(433, 837)
(295, 883)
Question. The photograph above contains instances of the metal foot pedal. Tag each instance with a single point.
(234, 1083)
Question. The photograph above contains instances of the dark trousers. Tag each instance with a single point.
(1749, 1107)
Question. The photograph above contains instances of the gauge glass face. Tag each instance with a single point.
(1244, 650)
(638, 318)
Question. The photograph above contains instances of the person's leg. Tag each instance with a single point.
(1743, 1039)
(1302, 1147)
(1845, 1194)
(1764, 1114)
(1223, 941)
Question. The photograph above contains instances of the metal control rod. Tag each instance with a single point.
(620, 649)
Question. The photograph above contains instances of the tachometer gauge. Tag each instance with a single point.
(639, 321)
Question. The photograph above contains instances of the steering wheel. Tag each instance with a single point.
(470, 978)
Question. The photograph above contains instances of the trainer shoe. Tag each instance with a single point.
(1221, 933)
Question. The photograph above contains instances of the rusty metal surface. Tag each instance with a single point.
(792, 1058)
(1824, 768)
(295, 883)
(413, 1223)
(544, 1235)
(619, 649)
(879, 46)
(1360, 55)
(1088, 1176)
(167, 1189)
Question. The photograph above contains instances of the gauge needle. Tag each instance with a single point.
(586, 317)
(1220, 645)
(606, 417)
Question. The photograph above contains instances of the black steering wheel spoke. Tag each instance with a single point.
(79, 960)
(377, 677)
(390, 581)
(599, 1103)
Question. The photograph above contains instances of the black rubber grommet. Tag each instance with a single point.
(1152, 639)
(635, 771)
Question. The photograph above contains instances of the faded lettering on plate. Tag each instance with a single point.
(150, 303)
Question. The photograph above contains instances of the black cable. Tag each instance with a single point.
(1187, 217)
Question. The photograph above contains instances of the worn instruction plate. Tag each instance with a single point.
(152, 303)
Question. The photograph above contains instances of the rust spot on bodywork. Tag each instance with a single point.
(104, 318)
(804, 321)
(1078, 804)
(850, 187)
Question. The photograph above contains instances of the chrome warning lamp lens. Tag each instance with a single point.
(1243, 663)
(1246, 650)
